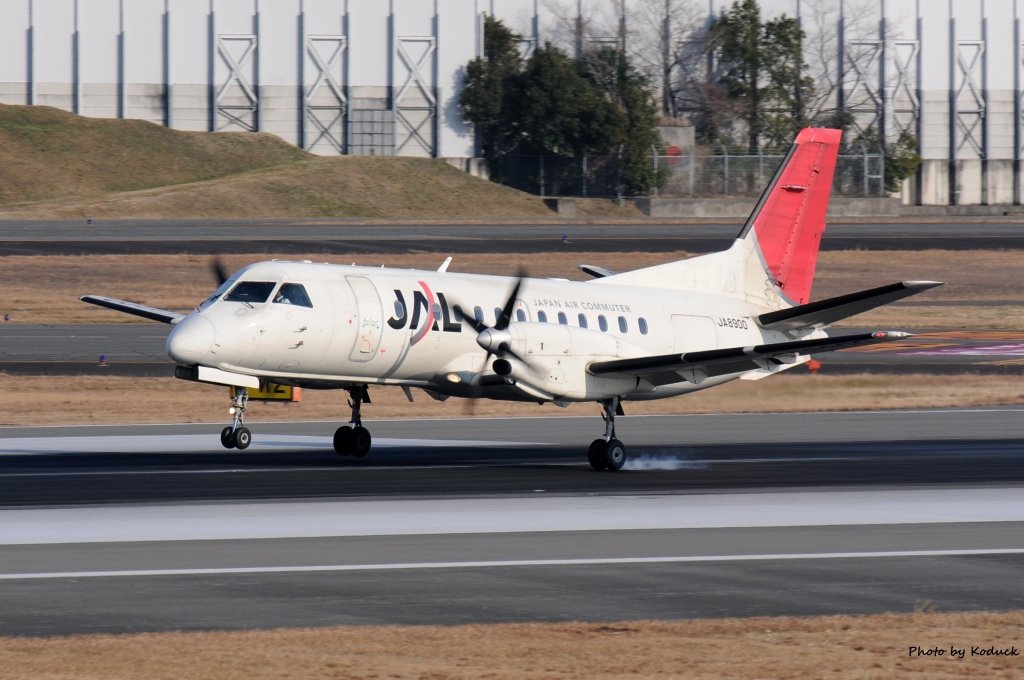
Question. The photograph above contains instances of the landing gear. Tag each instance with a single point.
(354, 440)
(236, 435)
(608, 453)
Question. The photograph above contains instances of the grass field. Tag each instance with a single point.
(52, 154)
(841, 647)
(59, 165)
(981, 291)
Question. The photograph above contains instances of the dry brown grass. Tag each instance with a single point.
(51, 154)
(848, 647)
(346, 186)
(44, 289)
(53, 400)
(60, 165)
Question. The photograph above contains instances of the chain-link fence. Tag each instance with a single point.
(692, 176)
(561, 175)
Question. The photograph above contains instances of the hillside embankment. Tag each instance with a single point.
(59, 165)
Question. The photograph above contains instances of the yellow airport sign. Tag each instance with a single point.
(273, 392)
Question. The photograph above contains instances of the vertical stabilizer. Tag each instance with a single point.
(771, 263)
(787, 223)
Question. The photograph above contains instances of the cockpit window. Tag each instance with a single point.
(293, 294)
(251, 291)
(221, 289)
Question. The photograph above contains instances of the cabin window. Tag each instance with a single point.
(623, 326)
(520, 315)
(562, 318)
(251, 291)
(542, 317)
(642, 323)
(582, 318)
(497, 315)
(478, 314)
(399, 310)
(602, 323)
(436, 312)
(293, 294)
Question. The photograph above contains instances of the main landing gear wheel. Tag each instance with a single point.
(354, 440)
(227, 438)
(595, 454)
(342, 437)
(608, 453)
(615, 455)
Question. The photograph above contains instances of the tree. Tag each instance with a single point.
(761, 66)
(554, 105)
(488, 85)
(789, 88)
(626, 91)
(737, 36)
(560, 108)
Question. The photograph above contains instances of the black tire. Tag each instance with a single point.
(343, 441)
(242, 438)
(595, 454)
(227, 438)
(615, 455)
(361, 442)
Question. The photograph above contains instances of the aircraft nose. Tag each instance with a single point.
(191, 340)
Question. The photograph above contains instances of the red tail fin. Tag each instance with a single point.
(789, 219)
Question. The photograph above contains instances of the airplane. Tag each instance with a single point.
(661, 331)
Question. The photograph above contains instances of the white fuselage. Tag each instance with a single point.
(365, 325)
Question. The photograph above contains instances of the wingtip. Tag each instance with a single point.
(923, 285)
(892, 335)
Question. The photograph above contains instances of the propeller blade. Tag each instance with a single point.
(506, 311)
(220, 272)
(474, 323)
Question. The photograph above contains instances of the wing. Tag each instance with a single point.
(145, 311)
(824, 312)
(695, 367)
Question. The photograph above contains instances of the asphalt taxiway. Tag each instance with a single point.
(286, 237)
(113, 529)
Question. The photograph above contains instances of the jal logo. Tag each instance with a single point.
(434, 313)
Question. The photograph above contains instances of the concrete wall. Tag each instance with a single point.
(314, 72)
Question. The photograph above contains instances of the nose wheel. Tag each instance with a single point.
(608, 453)
(354, 439)
(236, 435)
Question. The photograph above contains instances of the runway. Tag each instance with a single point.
(114, 529)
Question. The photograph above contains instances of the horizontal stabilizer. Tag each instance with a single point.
(696, 366)
(145, 311)
(595, 271)
(824, 312)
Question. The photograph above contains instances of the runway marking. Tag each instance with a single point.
(200, 444)
(346, 469)
(270, 423)
(640, 462)
(514, 563)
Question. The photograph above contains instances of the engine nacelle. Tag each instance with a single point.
(556, 361)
